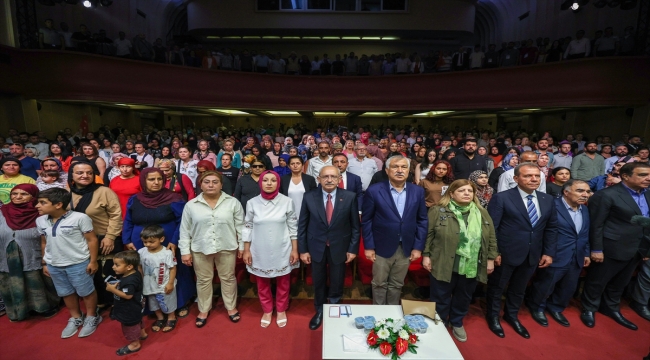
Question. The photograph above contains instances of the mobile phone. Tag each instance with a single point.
(134, 157)
(110, 279)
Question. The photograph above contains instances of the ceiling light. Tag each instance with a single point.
(250, 37)
(532, 109)
(331, 38)
(283, 112)
(432, 113)
(121, 104)
(371, 38)
(377, 113)
(231, 112)
(87, 4)
(310, 37)
(389, 38)
(329, 113)
(291, 37)
(575, 6)
(351, 38)
(270, 37)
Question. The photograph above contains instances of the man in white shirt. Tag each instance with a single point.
(67, 36)
(476, 58)
(123, 46)
(362, 166)
(620, 152)
(43, 148)
(142, 156)
(578, 48)
(606, 45)
(323, 159)
(48, 38)
(507, 181)
(402, 64)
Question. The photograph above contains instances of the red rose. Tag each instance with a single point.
(372, 338)
(401, 346)
(413, 338)
(385, 348)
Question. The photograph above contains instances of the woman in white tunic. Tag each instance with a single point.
(271, 245)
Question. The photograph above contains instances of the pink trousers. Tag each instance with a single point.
(283, 284)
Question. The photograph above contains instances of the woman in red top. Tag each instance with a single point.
(127, 184)
(58, 153)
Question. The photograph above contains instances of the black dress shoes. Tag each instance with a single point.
(495, 326)
(315, 322)
(640, 309)
(519, 328)
(539, 317)
(618, 317)
(587, 318)
(559, 317)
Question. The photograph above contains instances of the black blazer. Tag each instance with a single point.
(611, 231)
(308, 182)
(343, 233)
(517, 239)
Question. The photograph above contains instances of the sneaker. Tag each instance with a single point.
(72, 327)
(90, 325)
(459, 333)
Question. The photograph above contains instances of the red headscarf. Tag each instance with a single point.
(128, 162)
(22, 216)
(267, 196)
(207, 164)
(162, 197)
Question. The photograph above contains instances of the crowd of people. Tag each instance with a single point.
(105, 216)
(524, 52)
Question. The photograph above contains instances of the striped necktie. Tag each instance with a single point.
(532, 211)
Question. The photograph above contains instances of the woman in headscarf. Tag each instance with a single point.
(178, 183)
(113, 168)
(484, 191)
(23, 286)
(50, 165)
(76, 159)
(206, 244)
(271, 245)
(282, 168)
(11, 177)
(510, 161)
(156, 204)
(542, 164)
(102, 205)
(460, 250)
(127, 184)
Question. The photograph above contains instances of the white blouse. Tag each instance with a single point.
(296, 192)
(188, 169)
(269, 226)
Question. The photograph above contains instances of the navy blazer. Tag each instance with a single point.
(517, 240)
(382, 225)
(354, 185)
(343, 232)
(571, 245)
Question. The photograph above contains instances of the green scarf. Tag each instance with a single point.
(470, 238)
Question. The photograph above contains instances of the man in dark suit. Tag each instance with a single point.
(460, 60)
(525, 221)
(349, 181)
(553, 286)
(395, 227)
(328, 235)
(616, 244)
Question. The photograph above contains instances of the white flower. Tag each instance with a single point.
(404, 334)
(380, 322)
(396, 328)
(383, 334)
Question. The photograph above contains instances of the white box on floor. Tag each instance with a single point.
(436, 343)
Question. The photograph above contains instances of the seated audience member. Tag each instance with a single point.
(460, 251)
(554, 286)
(71, 259)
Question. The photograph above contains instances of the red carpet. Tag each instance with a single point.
(221, 339)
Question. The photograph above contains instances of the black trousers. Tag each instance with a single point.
(452, 298)
(319, 275)
(553, 287)
(516, 277)
(605, 283)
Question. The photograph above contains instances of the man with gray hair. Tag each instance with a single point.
(362, 166)
(554, 286)
(507, 181)
(393, 234)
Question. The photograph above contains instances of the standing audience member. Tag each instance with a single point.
(297, 184)
(467, 161)
(525, 222)
(362, 166)
(28, 166)
(328, 243)
(437, 182)
(247, 186)
(206, 244)
(589, 164)
(507, 179)
(323, 159)
(127, 184)
(71, 259)
(23, 286)
(483, 191)
(509, 162)
(394, 234)
(554, 286)
(271, 246)
(560, 176)
(617, 246)
(460, 251)
(11, 176)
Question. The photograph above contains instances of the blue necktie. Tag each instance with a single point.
(532, 211)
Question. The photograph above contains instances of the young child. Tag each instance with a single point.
(159, 269)
(70, 247)
(50, 179)
(129, 301)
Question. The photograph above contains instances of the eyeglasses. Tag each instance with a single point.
(257, 166)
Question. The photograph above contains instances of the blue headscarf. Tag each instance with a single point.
(505, 163)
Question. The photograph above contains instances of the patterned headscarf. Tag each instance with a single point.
(484, 193)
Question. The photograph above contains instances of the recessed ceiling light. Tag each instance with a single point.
(283, 112)
(231, 112)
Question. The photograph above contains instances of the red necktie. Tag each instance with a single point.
(329, 209)
(341, 184)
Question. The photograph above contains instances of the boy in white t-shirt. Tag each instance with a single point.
(70, 247)
(159, 270)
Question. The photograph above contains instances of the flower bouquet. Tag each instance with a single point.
(392, 337)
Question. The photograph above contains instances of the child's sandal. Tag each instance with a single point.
(171, 324)
(159, 324)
